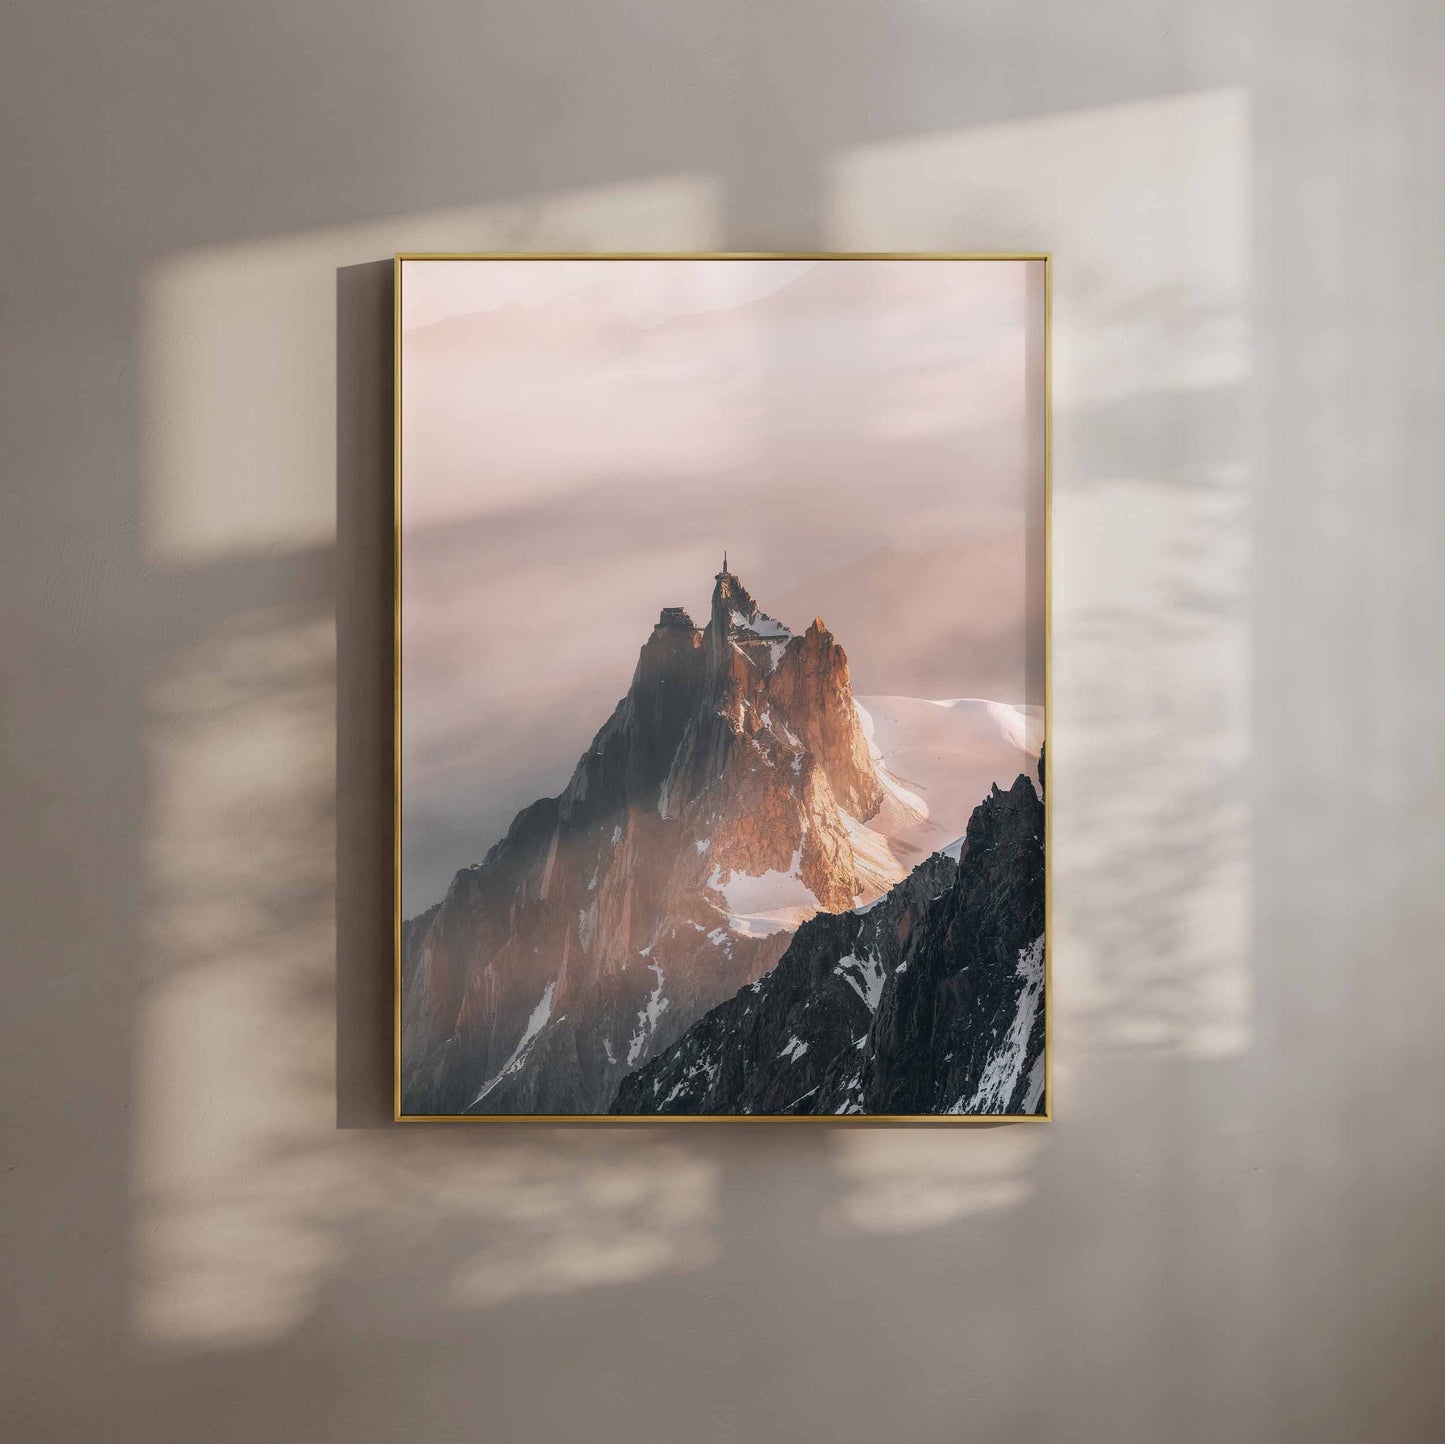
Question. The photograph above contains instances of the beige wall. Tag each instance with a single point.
(1231, 1231)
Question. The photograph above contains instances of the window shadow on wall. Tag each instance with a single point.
(282, 1241)
(282, 1215)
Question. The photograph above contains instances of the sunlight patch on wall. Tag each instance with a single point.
(239, 348)
(602, 1207)
(1145, 208)
(234, 1174)
(255, 1215)
(899, 1182)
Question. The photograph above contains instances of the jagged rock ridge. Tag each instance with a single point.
(716, 809)
(928, 1001)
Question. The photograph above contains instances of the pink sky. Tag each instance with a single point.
(582, 438)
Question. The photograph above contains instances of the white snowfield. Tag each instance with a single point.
(760, 906)
(937, 760)
(948, 753)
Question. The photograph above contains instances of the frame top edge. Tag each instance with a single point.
(400, 256)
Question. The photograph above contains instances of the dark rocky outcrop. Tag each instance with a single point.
(927, 1001)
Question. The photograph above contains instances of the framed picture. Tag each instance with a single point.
(722, 687)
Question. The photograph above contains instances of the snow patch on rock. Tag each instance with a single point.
(1005, 1066)
(538, 1020)
(865, 976)
(647, 1019)
(770, 902)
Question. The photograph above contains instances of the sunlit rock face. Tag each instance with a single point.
(928, 1001)
(720, 806)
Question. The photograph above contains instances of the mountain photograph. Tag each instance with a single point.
(760, 889)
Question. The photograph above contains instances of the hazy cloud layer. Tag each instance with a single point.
(582, 439)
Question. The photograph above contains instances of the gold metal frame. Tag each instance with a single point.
(852, 1119)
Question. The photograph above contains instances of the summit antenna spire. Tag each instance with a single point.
(725, 562)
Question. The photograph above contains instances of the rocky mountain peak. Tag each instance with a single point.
(672, 649)
(713, 812)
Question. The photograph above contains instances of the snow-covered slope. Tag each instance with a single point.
(937, 761)
(947, 754)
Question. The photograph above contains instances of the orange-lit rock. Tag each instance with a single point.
(708, 818)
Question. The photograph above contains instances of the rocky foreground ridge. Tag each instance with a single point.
(930, 1000)
(721, 804)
